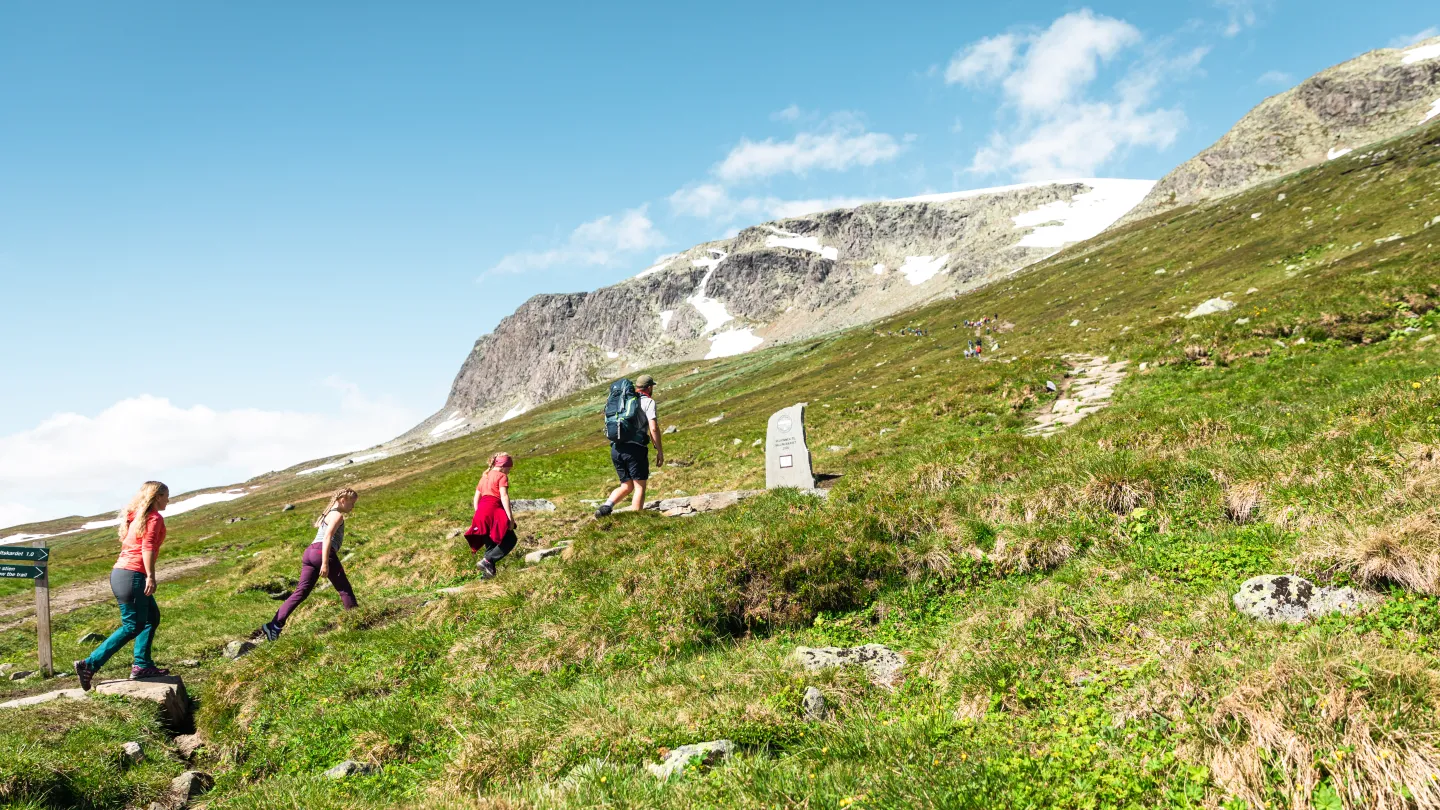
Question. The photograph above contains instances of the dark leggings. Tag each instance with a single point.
(309, 576)
(495, 551)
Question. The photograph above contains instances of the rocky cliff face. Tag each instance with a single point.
(1370, 98)
(772, 283)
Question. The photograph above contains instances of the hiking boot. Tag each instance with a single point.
(604, 510)
(152, 671)
(487, 568)
(85, 674)
(270, 630)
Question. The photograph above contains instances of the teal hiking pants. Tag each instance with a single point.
(139, 616)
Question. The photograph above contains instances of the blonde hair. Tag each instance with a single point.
(141, 505)
(335, 501)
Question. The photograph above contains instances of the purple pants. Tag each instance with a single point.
(309, 575)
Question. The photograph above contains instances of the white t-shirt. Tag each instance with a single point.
(647, 407)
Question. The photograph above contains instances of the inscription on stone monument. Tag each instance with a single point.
(787, 457)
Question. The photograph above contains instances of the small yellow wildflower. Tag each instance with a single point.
(1415, 385)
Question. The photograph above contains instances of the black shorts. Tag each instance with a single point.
(632, 461)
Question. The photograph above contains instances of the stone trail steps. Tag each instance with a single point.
(1094, 382)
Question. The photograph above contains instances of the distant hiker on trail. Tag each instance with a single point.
(132, 580)
(494, 523)
(321, 559)
(630, 422)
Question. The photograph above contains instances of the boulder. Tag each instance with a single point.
(5, 668)
(454, 533)
(672, 429)
(188, 745)
(238, 649)
(90, 638)
(1290, 599)
(167, 691)
(132, 752)
(21, 674)
(185, 787)
(883, 665)
(349, 768)
(289, 507)
(532, 505)
(543, 554)
(703, 755)
(813, 704)
(1211, 307)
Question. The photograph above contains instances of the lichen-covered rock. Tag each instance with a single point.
(883, 665)
(813, 704)
(1291, 599)
(349, 768)
(132, 752)
(543, 554)
(532, 505)
(702, 755)
(238, 649)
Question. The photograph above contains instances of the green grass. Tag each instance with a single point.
(1063, 602)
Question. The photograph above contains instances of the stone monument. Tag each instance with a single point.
(787, 457)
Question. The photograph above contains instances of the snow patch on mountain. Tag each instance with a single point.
(780, 238)
(713, 311)
(732, 342)
(1339, 151)
(920, 269)
(1420, 54)
(453, 421)
(1063, 222)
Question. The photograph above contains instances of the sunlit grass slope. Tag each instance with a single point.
(1063, 602)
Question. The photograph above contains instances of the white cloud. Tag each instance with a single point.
(1407, 40)
(791, 113)
(1240, 14)
(838, 149)
(987, 60)
(77, 464)
(1058, 126)
(1275, 78)
(712, 201)
(602, 241)
(1065, 58)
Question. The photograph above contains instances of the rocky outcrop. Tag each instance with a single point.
(883, 665)
(1367, 99)
(696, 755)
(769, 284)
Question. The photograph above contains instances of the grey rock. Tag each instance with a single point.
(552, 344)
(349, 768)
(883, 665)
(532, 505)
(451, 591)
(707, 502)
(188, 663)
(1290, 599)
(543, 554)
(132, 752)
(21, 674)
(813, 704)
(1210, 307)
(671, 429)
(1367, 99)
(184, 788)
(188, 745)
(289, 507)
(238, 649)
(33, 700)
(454, 533)
(702, 755)
(5, 668)
(167, 691)
(90, 638)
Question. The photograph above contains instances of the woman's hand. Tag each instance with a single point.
(150, 585)
(325, 569)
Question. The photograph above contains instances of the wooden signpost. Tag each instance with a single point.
(39, 558)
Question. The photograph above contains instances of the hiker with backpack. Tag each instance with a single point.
(321, 559)
(494, 523)
(132, 580)
(630, 423)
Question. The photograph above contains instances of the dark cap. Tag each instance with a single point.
(644, 381)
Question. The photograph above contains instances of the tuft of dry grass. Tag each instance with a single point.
(1363, 718)
(1243, 502)
(1404, 551)
(1117, 493)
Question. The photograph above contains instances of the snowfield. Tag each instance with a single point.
(453, 421)
(733, 342)
(779, 238)
(1339, 151)
(1420, 54)
(920, 269)
(514, 412)
(713, 311)
(1084, 215)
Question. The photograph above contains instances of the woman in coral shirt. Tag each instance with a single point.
(132, 580)
(493, 526)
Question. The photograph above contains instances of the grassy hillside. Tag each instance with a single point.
(1063, 602)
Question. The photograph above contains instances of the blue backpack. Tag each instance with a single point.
(625, 423)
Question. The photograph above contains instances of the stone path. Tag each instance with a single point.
(74, 597)
(168, 692)
(1092, 382)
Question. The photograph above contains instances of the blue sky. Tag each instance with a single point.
(272, 231)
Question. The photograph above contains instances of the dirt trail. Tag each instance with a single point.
(74, 597)
(1092, 382)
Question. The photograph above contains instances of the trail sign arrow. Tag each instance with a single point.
(22, 571)
(38, 555)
